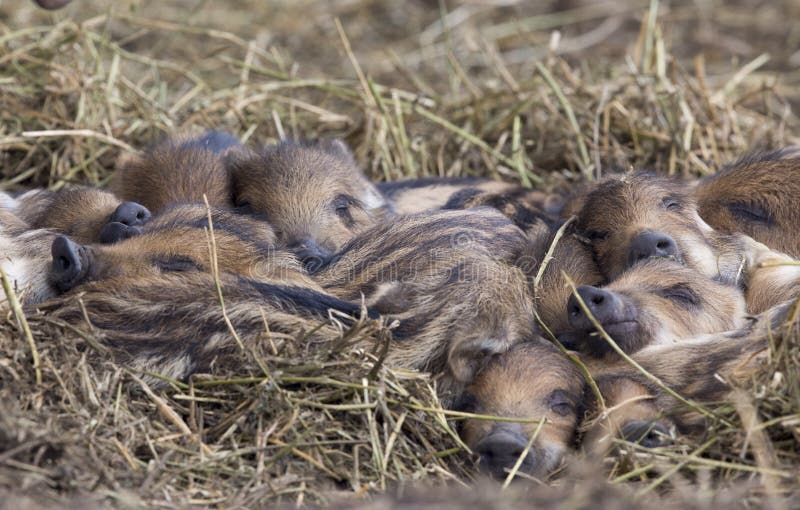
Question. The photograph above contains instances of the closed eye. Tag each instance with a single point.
(596, 235)
(561, 403)
(750, 212)
(176, 264)
(671, 204)
(342, 205)
(466, 403)
(681, 295)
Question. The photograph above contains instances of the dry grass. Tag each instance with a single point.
(476, 90)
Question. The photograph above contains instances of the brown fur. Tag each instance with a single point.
(575, 198)
(770, 277)
(659, 302)
(25, 259)
(454, 290)
(449, 277)
(314, 195)
(757, 196)
(79, 212)
(176, 170)
(620, 208)
(703, 370)
(517, 383)
(532, 380)
(178, 240)
(627, 402)
(533, 211)
(429, 194)
(572, 257)
(524, 207)
(171, 323)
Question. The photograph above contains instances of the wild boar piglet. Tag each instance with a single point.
(757, 196)
(178, 169)
(178, 240)
(531, 381)
(656, 302)
(314, 195)
(85, 214)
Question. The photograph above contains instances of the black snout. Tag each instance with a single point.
(500, 450)
(116, 231)
(311, 255)
(51, 5)
(130, 214)
(602, 304)
(651, 244)
(646, 433)
(69, 265)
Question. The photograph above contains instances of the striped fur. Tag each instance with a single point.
(176, 170)
(757, 196)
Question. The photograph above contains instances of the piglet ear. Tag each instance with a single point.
(339, 149)
(467, 359)
(244, 166)
(239, 157)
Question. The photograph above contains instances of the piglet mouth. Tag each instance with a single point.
(623, 332)
(501, 450)
(617, 329)
(612, 328)
(673, 258)
(575, 339)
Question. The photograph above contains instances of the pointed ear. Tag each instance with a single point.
(467, 359)
(237, 158)
(374, 201)
(339, 149)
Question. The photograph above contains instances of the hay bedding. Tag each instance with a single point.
(416, 92)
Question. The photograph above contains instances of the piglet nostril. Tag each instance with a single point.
(67, 266)
(63, 263)
(651, 244)
(573, 307)
(602, 305)
(51, 5)
(131, 214)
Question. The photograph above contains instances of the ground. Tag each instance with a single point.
(548, 94)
